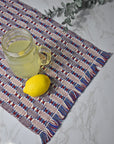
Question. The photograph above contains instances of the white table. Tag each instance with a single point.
(91, 120)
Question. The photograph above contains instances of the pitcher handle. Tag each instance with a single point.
(45, 54)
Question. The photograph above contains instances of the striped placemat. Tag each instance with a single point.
(75, 62)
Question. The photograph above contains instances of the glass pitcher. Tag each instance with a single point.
(23, 55)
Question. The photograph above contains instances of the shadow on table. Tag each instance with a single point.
(81, 17)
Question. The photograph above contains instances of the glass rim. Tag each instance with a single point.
(16, 54)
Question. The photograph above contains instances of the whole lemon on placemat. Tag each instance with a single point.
(37, 85)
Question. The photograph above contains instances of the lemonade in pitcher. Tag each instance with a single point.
(27, 64)
(23, 55)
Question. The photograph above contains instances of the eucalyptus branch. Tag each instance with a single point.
(69, 10)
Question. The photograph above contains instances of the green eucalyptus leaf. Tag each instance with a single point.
(89, 4)
(54, 8)
(78, 3)
(46, 12)
(72, 17)
(70, 24)
(63, 4)
(65, 29)
(64, 22)
(70, 9)
(53, 14)
(43, 16)
(50, 11)
(101, 1)
(66, 13)
(76, 9)
(68, 4)
(60, 12)
(94, 1)
(67, 21)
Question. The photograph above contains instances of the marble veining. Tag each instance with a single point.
(90, 121)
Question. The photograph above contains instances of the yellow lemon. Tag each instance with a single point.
(37, 85)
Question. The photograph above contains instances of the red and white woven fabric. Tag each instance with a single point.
(75, 62)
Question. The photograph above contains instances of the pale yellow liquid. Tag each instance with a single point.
(26, 65)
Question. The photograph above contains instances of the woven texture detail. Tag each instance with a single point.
(75, 62)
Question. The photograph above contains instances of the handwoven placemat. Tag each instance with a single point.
(75, 62)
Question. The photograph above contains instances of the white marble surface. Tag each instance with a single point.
(91, 120)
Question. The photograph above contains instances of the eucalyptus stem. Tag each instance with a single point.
(69, 10)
